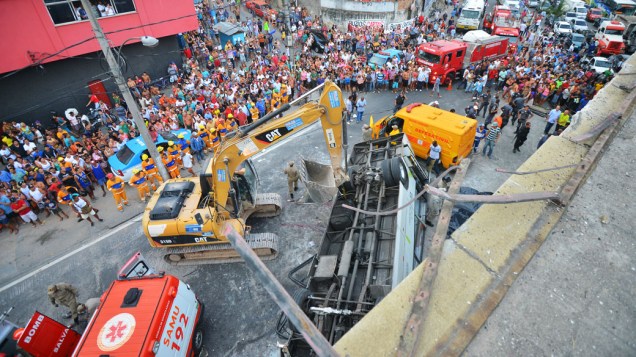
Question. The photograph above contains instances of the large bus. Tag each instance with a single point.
(471, 16)
(625, 7)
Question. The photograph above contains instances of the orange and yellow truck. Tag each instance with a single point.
(423, 124)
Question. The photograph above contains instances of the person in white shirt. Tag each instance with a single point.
(29, 147)
(102, 9)
(84, 209)
(109, 10)
(187, 162)
(434, 155)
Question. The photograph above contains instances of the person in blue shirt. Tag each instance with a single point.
(100, 175)
(5, 205)
(479, 135)
(5, 176)
(39, 176)
(197, 145)
(260, 105)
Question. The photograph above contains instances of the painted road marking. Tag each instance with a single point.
(136, 219)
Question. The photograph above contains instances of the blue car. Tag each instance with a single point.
(129, 155)
(380, 58)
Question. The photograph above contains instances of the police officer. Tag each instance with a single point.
(66, 295)
(484, 102)
(524, 115)
(292, 178)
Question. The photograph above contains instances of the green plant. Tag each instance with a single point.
(558, 10)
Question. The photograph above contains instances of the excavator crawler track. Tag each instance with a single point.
(265, 245)
(267, 205)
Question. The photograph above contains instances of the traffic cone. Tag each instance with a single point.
(450, 84)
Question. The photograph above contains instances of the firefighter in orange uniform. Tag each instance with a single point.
(275, 102)
(170, 163)
(183, 144)
(140, 181)
(205, 136)
(152, 173)
(230, 123)
(116, 186)
(254, 112)
(175, 151)
(221, 128)
(214, 139)
(283, 92)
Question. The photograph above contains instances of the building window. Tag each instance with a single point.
(65, 11)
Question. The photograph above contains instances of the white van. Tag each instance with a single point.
(581, 11)
(471, 16)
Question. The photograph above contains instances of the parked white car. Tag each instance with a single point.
(580, 26)
(599, 64)
(562, 28)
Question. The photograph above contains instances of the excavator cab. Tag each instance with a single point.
(244, 185)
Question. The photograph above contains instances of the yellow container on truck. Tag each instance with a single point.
(423, 124)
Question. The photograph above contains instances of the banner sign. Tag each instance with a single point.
(399, 27)
(360, 24)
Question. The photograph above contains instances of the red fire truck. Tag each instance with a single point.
(447, 59)
(501, 22)
(610, 38)
(141, 314)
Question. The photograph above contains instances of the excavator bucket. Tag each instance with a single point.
(319, 180)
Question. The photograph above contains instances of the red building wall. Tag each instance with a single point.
(27, 32)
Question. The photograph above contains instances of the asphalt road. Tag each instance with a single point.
(240, 316)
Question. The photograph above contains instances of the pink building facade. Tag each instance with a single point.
(29, 34)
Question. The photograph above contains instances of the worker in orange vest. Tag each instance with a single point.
(152, 173)
(254, 112)
(221, 128)
(230, 123)
(183, 144)
(170, 163)
(204, 134)
(174, 151)
(283, 91)
(275, 102)
(116, 186)
(140, 181)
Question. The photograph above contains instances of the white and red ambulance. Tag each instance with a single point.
(140, 314)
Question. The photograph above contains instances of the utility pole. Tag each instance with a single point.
(123, 88)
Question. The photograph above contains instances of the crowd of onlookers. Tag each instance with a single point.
(221, 86)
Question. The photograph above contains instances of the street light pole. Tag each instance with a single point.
(123, 88)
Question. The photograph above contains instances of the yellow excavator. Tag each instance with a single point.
(186, 216)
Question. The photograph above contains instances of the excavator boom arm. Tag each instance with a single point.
(269, 131)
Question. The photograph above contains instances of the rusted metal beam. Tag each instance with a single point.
(598, 128)
(495, 199)
(504, 171)
(310, 333)
(414, 328)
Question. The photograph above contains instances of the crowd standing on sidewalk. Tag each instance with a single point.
(222, 86)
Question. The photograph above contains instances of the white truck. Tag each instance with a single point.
(610, 38)
(471, 15)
